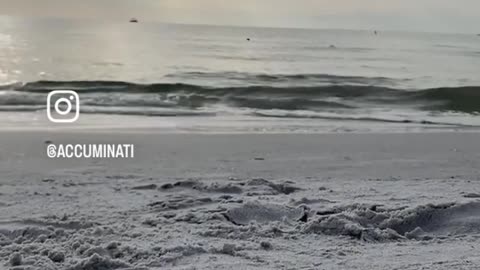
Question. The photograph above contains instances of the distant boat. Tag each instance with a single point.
(133, 20)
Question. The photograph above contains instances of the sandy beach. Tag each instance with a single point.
(244, 201)
(212, 135)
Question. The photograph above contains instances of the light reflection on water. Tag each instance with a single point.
(58, 49)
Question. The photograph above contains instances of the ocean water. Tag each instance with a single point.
(154, 69)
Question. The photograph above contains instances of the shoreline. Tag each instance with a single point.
(88, 123)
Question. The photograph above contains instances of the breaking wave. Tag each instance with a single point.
(353, 99)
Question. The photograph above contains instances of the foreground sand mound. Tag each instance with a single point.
(367, 222)
(253, 187)
(371, 223)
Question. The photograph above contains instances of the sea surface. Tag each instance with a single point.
(159, 70)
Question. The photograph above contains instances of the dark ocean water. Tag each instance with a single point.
(183, 70)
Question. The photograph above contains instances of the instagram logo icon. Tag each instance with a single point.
(66, 106)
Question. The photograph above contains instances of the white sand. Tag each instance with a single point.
(338, 201)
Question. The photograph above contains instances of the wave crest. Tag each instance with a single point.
(463, 99)
(339, 102)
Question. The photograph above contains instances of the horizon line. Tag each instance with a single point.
(313, 28)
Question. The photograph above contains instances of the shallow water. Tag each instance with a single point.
(184, 70)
